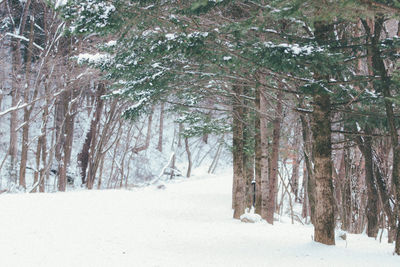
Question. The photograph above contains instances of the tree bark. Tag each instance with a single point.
(27, 111)
(189, 155)
(365, 143)
(161, 129)
(249, 151)
(295, 166)
(324, 221)
(84, 155)
(257, 152)
(238, 151)
(308, 160)
(383, 86)
(273, 175)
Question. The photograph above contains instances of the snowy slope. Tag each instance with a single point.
(187, 224)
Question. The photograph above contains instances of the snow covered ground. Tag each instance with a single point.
(188, 223)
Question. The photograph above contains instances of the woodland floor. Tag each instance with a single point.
(189, 223)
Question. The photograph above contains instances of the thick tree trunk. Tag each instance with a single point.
(258, 153)
(365, 143)
(16, 93)
(324, 221)
(261, 152)
(308, 158)
(15, 98)
(249, 153)
(346, 194)
(295, 166)
(238, 151)
(383, 86)
(273, 177)
(60, 130)
(385, 197)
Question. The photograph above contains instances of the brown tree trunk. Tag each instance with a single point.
(383, 85)
(365, 143)
(345, 187)
(324, 221)
(273, 175)
(385, 198)
(346, 194)
(84, 156)
(161, 129)
(264, 156)
(248, 156)
(15, 95)
(238, 151)
(27, 111)
(308, 159)
(257, 152)
(16, 92)
(60, 130)
(305, 206)
(295, 166)
(42, 142)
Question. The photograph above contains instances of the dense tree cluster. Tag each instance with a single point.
(310, 84)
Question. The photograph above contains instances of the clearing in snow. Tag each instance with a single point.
(186, 224)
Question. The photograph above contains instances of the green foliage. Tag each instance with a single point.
(192, 52)
(199, 124)
(90, 16)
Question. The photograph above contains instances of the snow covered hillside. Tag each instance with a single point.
(187, 223)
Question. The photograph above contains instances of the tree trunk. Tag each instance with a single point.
(308, 160)
(383, 86)
(273, 175)
(161, 129)
(386, 200)
(189, 155)
(365, 144)
(248, 156)
(27, 111)
(84, 156)
(264, 155)
(60, 130)
(346, 193)
(324, 221)
(257, 152)
(238, 151)
(295, 166)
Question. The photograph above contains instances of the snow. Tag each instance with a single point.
(189, 223)
(295, 49)
(97, 58)
(23, 38)
(60, 3)
(111, 43)
(251, 217)
(170, 36)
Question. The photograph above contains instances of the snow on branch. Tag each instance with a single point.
(24, 39)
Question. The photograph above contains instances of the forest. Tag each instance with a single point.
(297, 100)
